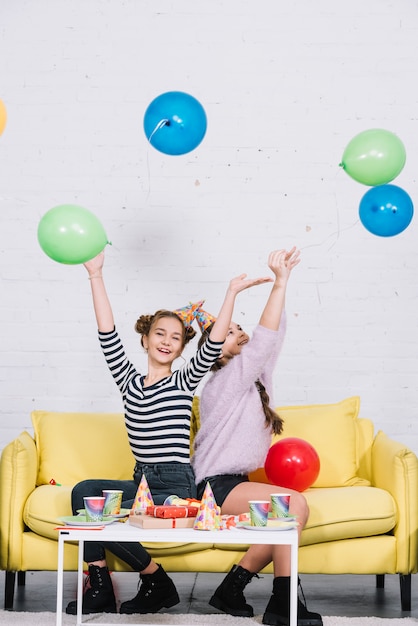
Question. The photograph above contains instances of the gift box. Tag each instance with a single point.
(147, 521)
(171, 511)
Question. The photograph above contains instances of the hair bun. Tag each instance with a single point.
(190, 333)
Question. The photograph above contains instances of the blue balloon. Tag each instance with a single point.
(175, 123)
(386, 210)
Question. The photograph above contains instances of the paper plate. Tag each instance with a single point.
(80, 520)
(123, 513)
(289, 518)
(267, 528)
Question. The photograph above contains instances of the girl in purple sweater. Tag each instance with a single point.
(237, 423)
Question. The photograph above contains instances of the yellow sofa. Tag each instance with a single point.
(363, 505)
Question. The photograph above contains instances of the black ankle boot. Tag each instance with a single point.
(277, 612)
(229, 596)
(99, 597)
(156, 591)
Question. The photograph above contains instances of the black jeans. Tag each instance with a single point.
(164, 479)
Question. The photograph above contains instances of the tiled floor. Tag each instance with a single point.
(328, 595)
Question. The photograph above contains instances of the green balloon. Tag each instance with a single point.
(374, 157)
(71, 234)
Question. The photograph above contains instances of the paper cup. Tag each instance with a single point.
(93, 506)
(259, 510)
(113, 501)
(280, 504)
(171, 500)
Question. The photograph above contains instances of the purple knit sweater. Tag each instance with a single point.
(233, 438)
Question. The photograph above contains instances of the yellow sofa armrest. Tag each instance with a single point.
(18, 471)
(395, 469)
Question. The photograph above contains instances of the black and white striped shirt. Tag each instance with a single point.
(157, 417)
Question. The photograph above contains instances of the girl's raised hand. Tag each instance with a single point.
(95, 265)
(281, 262)
(292, 258)
(241, 282)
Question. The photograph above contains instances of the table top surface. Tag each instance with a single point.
(126, 532)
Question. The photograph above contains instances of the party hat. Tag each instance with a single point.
(209, 514)
(188, 313)
(143, 496)
(204, 319)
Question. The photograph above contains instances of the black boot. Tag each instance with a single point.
(229, 596)
(156, 591)
(277, 612)
(99, 597)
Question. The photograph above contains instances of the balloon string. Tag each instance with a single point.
(160, 124)
(335, 235)
(149, 178)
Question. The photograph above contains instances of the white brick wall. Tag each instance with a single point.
(285, 87)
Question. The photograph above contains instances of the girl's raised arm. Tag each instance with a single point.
(101, 303)
(281, 262)
(223, 321)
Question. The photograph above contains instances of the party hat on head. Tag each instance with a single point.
(204, 319)
(143, 496)
(188, 313)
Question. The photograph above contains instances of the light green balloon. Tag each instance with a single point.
(374, 157)
(71, 234)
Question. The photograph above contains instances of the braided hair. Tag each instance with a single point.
(273, 419)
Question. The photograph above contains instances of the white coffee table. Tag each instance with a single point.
(126, 532)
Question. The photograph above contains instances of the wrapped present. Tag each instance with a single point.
(171, 511)
(233, 521)
(147, 521)
(143, 496)
(209, 514)
(228, 522)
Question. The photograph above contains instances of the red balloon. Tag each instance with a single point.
(292, 463)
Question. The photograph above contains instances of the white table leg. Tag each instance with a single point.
(80, 582)
(294, 575)
(60, 575)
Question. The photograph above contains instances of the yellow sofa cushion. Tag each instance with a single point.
(348, 512)
(331, 429)
(44, 507)
(70, 447)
